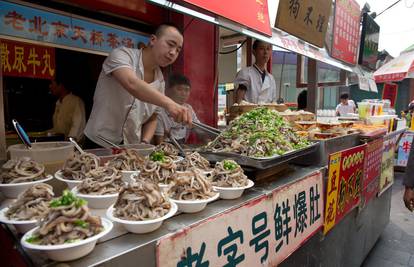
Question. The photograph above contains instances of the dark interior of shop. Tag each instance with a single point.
(29, 100)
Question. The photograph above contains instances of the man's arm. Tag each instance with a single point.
(240, 93)
(143, 91)
(148, 129)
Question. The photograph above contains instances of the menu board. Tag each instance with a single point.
(369, 42)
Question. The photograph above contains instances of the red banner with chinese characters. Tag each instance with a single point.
(344, 184)
(372, 170)
(390, 92)
(346, 31)
(27, 60)
(251, 13)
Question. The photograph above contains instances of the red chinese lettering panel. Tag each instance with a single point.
(390, 92)
(346, 34)
(350, 179)
(27, 60)
(251, 13)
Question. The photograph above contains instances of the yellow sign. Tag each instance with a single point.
(306, 19)
(332, 191)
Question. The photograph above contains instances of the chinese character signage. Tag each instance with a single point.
(251, 13)
(344, 184)
(372, 170)
(263, 232)
(346, 31)
(390, 92)
(404, 148)
(306, 19)
(369, 42)
(27, 60)
(34, 24)
(387, 164)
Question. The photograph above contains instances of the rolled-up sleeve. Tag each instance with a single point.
(119, 58)
(242, 78)
(409, 171)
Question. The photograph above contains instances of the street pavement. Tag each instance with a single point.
(395, 247)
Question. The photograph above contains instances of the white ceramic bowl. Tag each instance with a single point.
(97, 201)
(14, 190)
(71, 183)
(21, 226)
(141, 227)
(71, 251)
(232, 192)
(129, 176)
(192, 206)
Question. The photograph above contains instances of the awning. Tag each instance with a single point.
(278, 38)
(398, 69)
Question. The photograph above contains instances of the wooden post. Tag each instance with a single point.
(312, 85)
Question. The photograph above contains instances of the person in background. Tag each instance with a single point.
(302, 100)
(178, 89)
(131, 81)
(409, 181)
(255, 84)
(69, 115)
(345, 106)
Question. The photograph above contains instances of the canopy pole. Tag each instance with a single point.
(312, 96)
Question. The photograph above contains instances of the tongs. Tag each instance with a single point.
(180, 148)
(207, 128)
(108, 142)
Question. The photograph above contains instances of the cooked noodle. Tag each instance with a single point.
(190, 185)
(32, 204)
(228, 173)
(79, 165)
(21, 171)
(158, 171)
(141, 201)
(68, 221)
(194, 160)
(101, 181)
(128, 160)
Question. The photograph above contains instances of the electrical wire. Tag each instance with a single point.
(396, 2)
(234, 50)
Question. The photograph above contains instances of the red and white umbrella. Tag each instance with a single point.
(396, 70)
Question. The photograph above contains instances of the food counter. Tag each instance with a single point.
(331, 211)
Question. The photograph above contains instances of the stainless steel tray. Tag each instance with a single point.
(262, 163)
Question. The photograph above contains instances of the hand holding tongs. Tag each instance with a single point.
(206, 128)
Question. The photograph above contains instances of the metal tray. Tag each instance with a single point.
(261, 164)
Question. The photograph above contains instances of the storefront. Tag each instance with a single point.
(324, 204)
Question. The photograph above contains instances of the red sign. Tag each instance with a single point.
(346, 31)
(27, 60)
(390, 92)
(250, 13)
(344, 184)
(372, 170)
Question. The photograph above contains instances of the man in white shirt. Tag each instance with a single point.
(129, 80)
(255, 84)
(69, 115)
(345, 106)
(179, 89)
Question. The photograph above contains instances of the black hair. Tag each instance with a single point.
(302, 99)
(344, 96)
(161, 28)
(257, 42)
(63, 78)
(178, 79)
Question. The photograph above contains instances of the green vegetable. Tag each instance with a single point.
(81, 223)
(72, 241)
(158, 156)
(67, 199)
(33, 239)
(229, 165)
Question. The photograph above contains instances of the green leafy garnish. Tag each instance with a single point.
(229, 165)
(81, 223)
(67, 199)
(72, 241)
(33, 239)
(158, 156)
